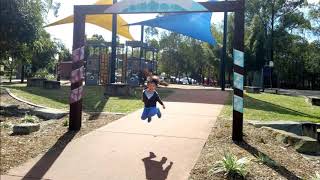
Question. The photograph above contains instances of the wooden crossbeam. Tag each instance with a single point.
(80, 11)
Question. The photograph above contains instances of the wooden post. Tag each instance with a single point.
(75, 115)
(238, 74)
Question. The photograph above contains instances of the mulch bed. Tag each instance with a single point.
(16, 150)
(290, 164)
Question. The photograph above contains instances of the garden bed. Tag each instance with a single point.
(286, 162)
(17, 149)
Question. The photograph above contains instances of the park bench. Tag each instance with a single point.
(36, 82)
(314, 100)
(252, 89)
(51, 84)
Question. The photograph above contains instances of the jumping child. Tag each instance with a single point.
(150, 97)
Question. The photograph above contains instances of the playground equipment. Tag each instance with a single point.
(136, 65)
(97, 63)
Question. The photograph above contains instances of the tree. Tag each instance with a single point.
(275, 14)
(21, 28)
(314, 14)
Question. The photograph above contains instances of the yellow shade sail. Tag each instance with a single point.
(101, 20)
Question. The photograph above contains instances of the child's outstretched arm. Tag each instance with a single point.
(142, 98)
(160, 101)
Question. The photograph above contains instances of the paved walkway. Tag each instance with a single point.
(130, 149)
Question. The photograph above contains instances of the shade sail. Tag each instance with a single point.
(101, 20)
(195, 25)
(155, 6)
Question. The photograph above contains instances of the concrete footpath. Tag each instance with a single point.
(131, 149)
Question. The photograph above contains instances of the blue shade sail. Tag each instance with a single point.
(195, 25)
(155, 6)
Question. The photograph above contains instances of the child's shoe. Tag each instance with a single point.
(159, 114)
(149, 119)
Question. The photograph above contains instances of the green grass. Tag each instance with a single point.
(268, 107)
(94, 100)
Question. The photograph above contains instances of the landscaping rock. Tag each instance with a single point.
(308, 146)
(119, 90)
(36, 82)
(314, 100)
(252, 89)
(46, 113)
(301, 144)
(13, 110)
(272, 91)
(25, 128)
(51, 84)
(298, 128)
(9, 107)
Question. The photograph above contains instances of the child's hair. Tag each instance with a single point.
(153, 79)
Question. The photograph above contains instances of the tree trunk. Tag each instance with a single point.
(22, 73)
(10, 78)
(313, 81)
(272, 28)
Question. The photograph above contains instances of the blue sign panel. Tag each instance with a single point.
(155, 6)
(238, 80)
(238, 57)
(238, 103)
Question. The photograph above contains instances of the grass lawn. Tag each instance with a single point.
(94, 100)
(268, 107)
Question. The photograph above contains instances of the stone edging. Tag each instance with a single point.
(23, 101)
(39, 106)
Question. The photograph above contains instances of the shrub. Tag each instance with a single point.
(231, 165)
(30, 119)
(43, 73)
(5, 125)
(66, 123)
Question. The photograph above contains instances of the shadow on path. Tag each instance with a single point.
(283, 171)
(43, 165)
(154, 169)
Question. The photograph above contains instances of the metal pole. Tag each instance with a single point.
(114, 47)
(141, 54)
(153, 69)
(238, 74)
(224, 52)
(126, 65)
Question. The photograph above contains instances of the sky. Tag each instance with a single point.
(65, 32)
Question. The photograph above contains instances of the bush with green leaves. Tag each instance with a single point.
(5, 125)
(66, 123)
(231, 165)
(30, 119)
(316, 176)
(43, 73)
